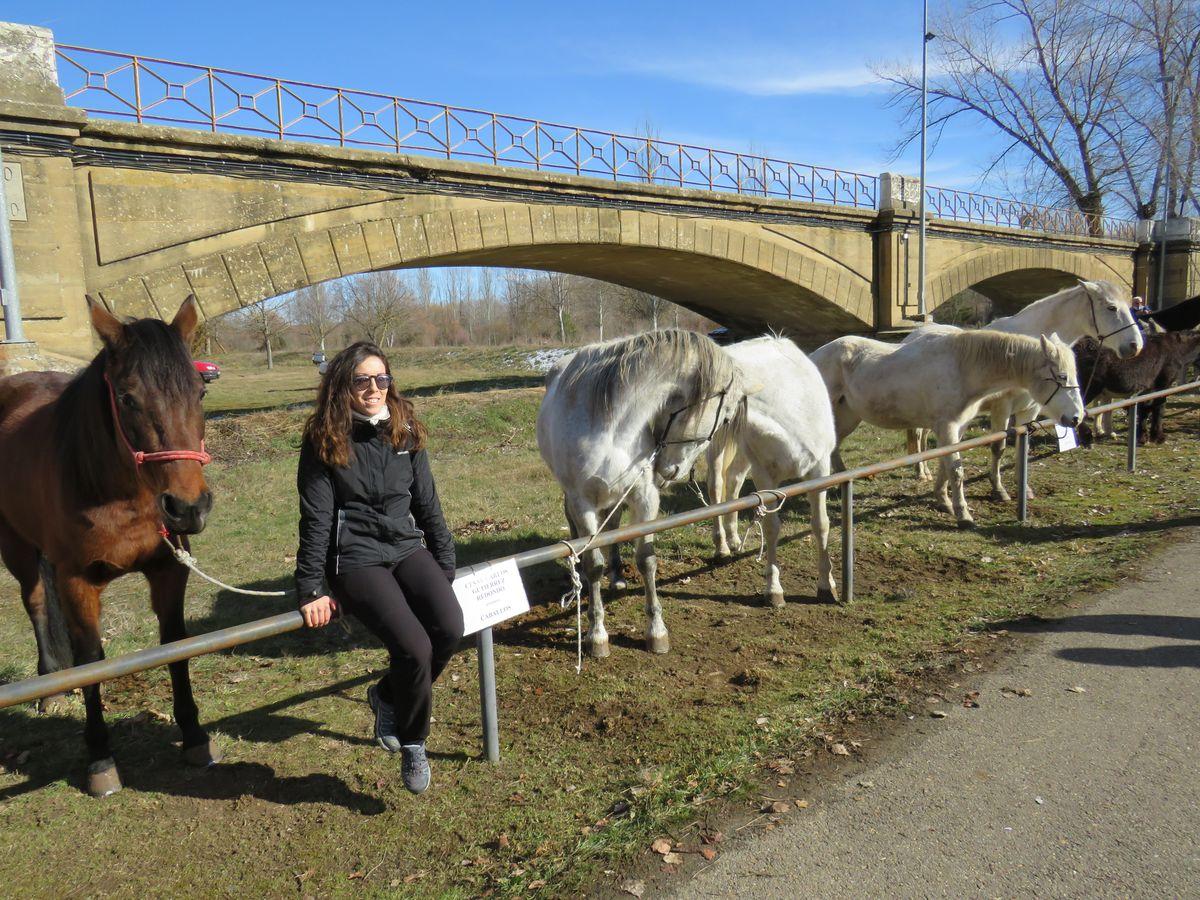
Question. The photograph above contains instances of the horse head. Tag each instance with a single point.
(155, 397)
(695, 410)
(1112, 316)
(1058, 383)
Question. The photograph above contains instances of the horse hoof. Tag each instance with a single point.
(966, 523)
(722, 556)
(53, 706)
(203, 755)
(1000, 496)
(600, 649)
(775, 599)
(826, 595)
(103, 778)
(661, 644)
(619, 585)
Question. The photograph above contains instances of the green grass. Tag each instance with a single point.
(304, 801)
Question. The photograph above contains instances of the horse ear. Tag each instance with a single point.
(1045, 344)
(754, 388)
(107, 325)
(186, 320)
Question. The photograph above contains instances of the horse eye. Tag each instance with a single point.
(128, 401)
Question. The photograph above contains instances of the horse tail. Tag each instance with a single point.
(59, 636)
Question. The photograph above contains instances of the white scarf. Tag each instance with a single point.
(382, 416)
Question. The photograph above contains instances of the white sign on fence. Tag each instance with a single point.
(1066, 438)
(490, 594)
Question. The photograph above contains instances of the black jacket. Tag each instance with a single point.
(373, 512)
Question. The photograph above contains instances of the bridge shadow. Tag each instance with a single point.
(1164, 656)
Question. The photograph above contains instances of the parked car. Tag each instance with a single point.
(210, 372)
(318, 357)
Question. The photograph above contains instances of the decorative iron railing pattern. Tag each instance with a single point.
(157, 91)
(961, 206)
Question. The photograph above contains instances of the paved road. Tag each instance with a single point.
(1059, 794)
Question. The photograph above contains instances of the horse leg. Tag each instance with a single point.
(616, 575)
(915, 443)
(819, 518)
(644, 507)
(734, 481)
(1157, 434)
(587, 522)
(168, 584)
(1027, 416)
(717, 493)
(999, 415)
(80, 601)
(32, 571)
(952, 467)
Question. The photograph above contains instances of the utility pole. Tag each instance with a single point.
(1165, 81)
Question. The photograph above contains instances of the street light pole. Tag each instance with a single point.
(1165, 81)
(926, 37)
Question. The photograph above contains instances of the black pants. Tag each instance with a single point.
(412, 609)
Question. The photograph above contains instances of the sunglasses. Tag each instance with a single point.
(383, 382)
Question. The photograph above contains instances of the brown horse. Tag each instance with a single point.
(80, 506)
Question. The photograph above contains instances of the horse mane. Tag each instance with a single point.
(600, 373)
(153, 354)
(1001, 352)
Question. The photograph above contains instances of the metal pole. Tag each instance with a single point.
(487, 696)
(14, 329)
(1131, 439)
(848, 542)
(926, 37)
(1165, 80)
(1023, 476)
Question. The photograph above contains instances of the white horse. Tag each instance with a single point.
(620, 418)
(787, 435)
(1096, 309)
(940, 382)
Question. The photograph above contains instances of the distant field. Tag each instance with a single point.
(247, 384)
(595, 766)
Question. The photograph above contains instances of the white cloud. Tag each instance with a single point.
(756, 75)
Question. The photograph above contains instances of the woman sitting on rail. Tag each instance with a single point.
(368, 511)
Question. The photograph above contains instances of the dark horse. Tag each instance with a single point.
(95, 471)
(1164, 358)
(1180, 317)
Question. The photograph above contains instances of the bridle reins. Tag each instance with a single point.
(141, 457)
(663, 442)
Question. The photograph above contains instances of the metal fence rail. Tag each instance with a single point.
(963, 206)
(94, 673)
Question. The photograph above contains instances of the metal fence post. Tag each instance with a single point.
(487, 696)
(848, 542)
(1131, 438)
(1023, 476)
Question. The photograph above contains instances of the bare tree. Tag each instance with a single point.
(379, 305)
(1061, 80)
(315, 310)
(556, 297)
(267, 326)
(648, 307)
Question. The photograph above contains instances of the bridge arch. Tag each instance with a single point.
(1012, 277)
(723, 271)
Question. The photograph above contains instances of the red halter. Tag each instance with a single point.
(140, 456)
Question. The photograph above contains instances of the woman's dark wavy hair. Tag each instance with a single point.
(328, 428)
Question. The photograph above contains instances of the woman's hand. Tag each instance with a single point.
(318, 613)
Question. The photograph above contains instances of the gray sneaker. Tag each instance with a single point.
(385, 721)
(414, 767)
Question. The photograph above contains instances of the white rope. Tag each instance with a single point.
(762, 511)
(190, 561)
(575, 594)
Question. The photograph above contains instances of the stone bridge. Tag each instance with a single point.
(144, 215)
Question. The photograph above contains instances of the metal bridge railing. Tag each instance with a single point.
(963, 206)
(158, 91)
(93, 673)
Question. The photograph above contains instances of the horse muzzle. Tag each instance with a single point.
(185, 517)
(1129, 349)
(1069, 421)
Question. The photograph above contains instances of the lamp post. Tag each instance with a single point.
(927, 36)
(1165, 81)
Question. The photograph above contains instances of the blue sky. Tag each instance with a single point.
(791, 80)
